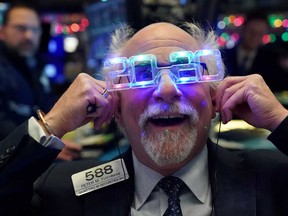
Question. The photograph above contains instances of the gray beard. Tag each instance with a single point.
(169, 147)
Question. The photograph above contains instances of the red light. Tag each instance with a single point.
(82, 28)
(266, 39)
(75, 27)
(85, 22)
(221, 41)
(239, 21)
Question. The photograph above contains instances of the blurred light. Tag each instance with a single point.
(225, 36)
(221, 25)
(226, 20)
(221, 41)
(271, 20)
(3, 6)
(66, 30)
(230, 44)
(50, 70)
(274, 20)
(85, 22)
(277, 23)
(183, 2)
(232, 18)
(58, 29)
(82, 27)
(52, 46)
(75, 27)
(70, 44)
(239, 21)
(273, 38)
(284, 36)
(55, 45)
(235, 36)
(266, 39)
(285, 23)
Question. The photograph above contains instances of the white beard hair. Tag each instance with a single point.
(169, 147)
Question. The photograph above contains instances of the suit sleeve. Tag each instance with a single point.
(22, 161)
(279, 137)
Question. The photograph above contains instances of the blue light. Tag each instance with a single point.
(182, 2)
(50, 70)
(181, 54)
(52, 46)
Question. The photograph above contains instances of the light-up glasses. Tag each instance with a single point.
(141, 71)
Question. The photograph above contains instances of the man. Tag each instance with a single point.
(166, 118)
(251, 56)
(23, 85)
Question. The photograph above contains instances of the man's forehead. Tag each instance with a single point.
(160, 41)
(23, 15)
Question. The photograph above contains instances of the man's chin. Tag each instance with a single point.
(168, 147)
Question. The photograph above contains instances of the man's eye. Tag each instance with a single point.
(143, 73)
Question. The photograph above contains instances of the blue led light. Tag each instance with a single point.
(175, 56)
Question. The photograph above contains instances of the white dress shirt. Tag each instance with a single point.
(38, 134)
(196, 198)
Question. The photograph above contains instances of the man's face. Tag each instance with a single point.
(22, 32)
(166, 125)
(253, 33)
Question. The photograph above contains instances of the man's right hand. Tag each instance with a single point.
(70, 111)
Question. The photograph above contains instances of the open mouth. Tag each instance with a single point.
(170, 120)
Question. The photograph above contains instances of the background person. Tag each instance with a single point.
(167, 126)
(24, 87)
(251, 56)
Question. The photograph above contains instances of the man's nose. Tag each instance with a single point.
(166, 89)
(29, 34)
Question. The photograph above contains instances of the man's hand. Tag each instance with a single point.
(70, 111)
(249, 98)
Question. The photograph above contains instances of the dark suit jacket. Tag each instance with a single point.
(266, 63)
(21, 90)
(244, 183)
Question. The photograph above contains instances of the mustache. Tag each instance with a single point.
(27, 43)
(166, 108)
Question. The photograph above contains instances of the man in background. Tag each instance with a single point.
(24, 87)
(250, 56)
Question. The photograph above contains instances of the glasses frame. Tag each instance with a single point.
(120, 67)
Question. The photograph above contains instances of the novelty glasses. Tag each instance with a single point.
(142, 71)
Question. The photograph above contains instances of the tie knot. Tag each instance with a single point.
(171, 185)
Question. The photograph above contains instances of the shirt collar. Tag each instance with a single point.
(194, 174)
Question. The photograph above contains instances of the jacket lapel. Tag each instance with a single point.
(233, 187)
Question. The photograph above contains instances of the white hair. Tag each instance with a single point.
(207, 39)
